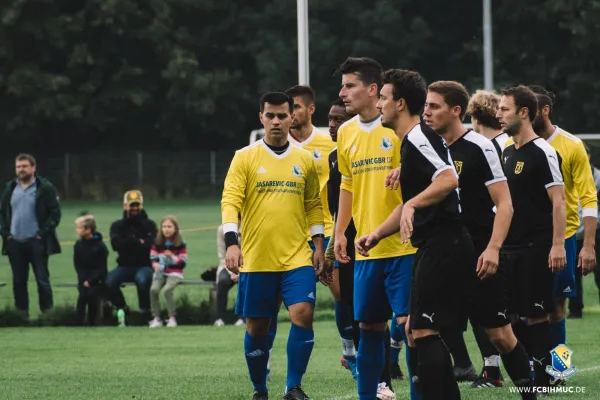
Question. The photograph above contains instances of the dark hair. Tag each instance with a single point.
(544, 97)
(454, 94)
(523, 98)
(276, 98)
(483, 106)
(338, 103)
(304, 91)
(26, 157)
(586, 147)
(368, 70)
(407, 85)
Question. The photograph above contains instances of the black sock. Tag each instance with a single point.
(413, 367)
(356, 333)
(456, 344)
(435, 372)
(489, 353)
(386, 373)
(517, 366)
(539, 335)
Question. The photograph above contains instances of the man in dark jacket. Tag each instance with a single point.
(131, 237)
(29, 215)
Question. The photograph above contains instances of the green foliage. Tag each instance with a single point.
(181, 74)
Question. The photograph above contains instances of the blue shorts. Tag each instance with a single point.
(564, 281)
(382, 287)
(259, 292)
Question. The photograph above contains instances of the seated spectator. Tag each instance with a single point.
(169, 258)
(132, 237)
(225, 281)
(90, 258)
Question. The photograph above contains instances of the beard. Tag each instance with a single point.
(387, 124)
(538, 125)
(512, 130)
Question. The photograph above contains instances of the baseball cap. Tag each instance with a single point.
(133, 196)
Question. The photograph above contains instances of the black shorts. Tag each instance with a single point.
(491, 298)
(443, 279)
(530, 280)
(346, 271)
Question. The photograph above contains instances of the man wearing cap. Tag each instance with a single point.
(131, 237)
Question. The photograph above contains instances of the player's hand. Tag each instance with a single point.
(406, 222)
(235, 278)
(156, 267)
(86, 284)
(557, 259)
(392, 181)
(587, 259)
(319, 262)
(487, 264)
(234, 259)
(340, 249)
(366, 243)
(326, 277)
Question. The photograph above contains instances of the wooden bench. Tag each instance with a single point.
(183, 282)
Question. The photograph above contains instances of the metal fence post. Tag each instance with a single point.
(140, 169)
(213, 168)
(66, 175)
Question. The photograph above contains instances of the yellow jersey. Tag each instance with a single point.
(367, 152)
(577, 176)
(275, 196)
(320, 145)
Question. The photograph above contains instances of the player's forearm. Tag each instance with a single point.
(504, 214)
(344, 212)
(589, 231)
(319, 243)
(559, 220)
(391, 224)
(330, 252)
(435, 193)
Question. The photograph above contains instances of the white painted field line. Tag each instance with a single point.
(354, 395)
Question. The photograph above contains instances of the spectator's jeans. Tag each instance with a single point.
(142, 276)
(224, 283)
(89, 298)
(169, 283)
(20, 255)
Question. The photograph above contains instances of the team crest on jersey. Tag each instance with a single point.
(317, 154)
(458, 166)
(386, 143)
(297, 171)
(519, 167)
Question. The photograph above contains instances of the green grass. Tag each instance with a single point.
(200, 362)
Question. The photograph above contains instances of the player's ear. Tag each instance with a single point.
(374, 90)
(311, 109)
(456, 110)
(260, 116)
(546, 110)
(400, 104)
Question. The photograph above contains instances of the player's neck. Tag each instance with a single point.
(303, 133)
(548, 130)
(276, 142)
(368, 114)
(455, 130)
(489, 133)
(405, 125)
(524, 136)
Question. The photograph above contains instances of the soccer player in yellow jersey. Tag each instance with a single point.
(367, 152)
(274, 188)
(579, 189)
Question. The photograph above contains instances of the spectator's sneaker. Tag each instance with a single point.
(384, 392)
(121, 317)
(396, 372)
(219, 322)
(486, 382)
(260, 396)
(350, 364)
(239, 322)
(296, 394)
(465, 374)
(156, 323)
(172, 323)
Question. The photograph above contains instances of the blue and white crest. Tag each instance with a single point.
(561, 367)
(297, 171)
(317, 154)
(386, 143)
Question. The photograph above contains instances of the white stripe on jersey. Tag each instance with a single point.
(501, 139)
(552, 159)
(491, 155)
(421, 143)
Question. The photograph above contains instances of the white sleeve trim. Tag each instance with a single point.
(230, 227)
(317, 229)
(347, 178)
(488, 183)
(548, 186)
(589, 212)
(440, 170)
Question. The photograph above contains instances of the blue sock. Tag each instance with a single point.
(398, 335)
(299, 347)
(257, 356)
(370, 360)
(558, 333)
(343, 320)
